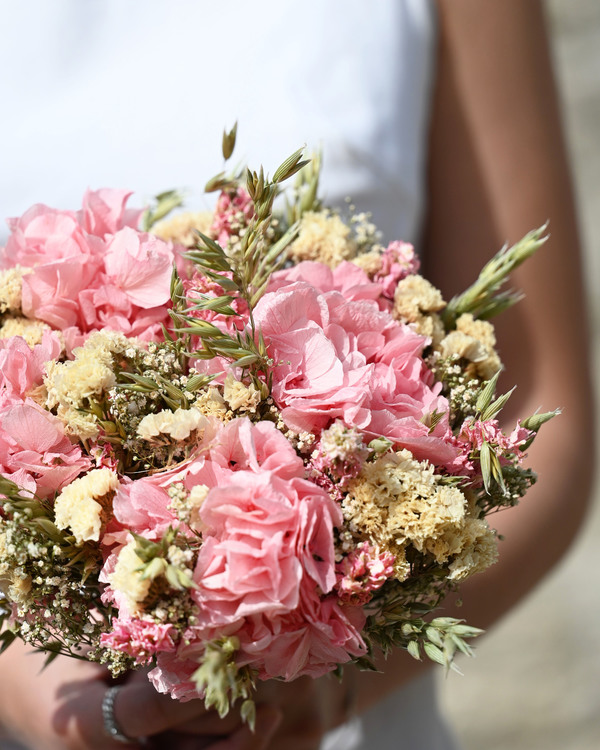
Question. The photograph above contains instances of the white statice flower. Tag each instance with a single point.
(323, 237)
(127, 579)
(239, 396)
(30, 330)
(11, 283)
(178, 424)
(479, 549)
(338, 442)
(82, 504)
(475, 341)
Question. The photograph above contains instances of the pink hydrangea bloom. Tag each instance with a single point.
(22, 367)
(35, 453)
(351, 361)
(90, 269)
(346, 278)
(141, 639)
(363, 571)
(397, 261)
(105, 211)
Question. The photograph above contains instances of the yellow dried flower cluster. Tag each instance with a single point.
(71, 384)
(31, 330)
(241, 397)
(371, 262)
(127, 577)
(416, 301)
(323, 237)
(178, 424)
(182, 227)
(11, 282)
(398, 501)
(212, 404)
(474, 340)
(81, 506)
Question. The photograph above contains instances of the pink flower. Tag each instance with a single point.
(34, 450)
(263, 535)
(397, 261)
(140, 265)
(347, 278)
(232, 215)
(104, 212)
(21, 367)
(350, 361)
(363, 571)
(141, 639)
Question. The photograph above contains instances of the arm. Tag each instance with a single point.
(498, 168)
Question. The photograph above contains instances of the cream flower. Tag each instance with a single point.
(31, 330)
(239, 396)
(127, 577)
(82, 504)
(323, 237)
(11, 281)
(397, 500)
(474, 340)
(177, 424)
(414, 297)
(71, 384)
(182, 227)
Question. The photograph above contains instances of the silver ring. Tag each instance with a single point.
(111, 725)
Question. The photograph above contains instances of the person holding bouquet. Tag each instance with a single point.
(475, 129)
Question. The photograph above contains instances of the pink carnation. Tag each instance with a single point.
(264, 534)
(141, 639)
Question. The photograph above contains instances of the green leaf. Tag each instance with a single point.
(414, 650)
(290, 166)
(228, 143)
(486, 465)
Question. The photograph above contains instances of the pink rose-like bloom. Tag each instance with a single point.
(141, 639)
(264, 535)
(351, 361)
(398, 260)
(22, 367)
(363, 571)
(35, 453)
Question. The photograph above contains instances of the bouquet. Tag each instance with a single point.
(247, 444)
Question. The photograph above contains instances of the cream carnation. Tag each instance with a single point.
(239, 396)
(178, 424)
(474, 340)
(11, 283)
(126, 578)
(81, 505)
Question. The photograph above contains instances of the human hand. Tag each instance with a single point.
(59, 708)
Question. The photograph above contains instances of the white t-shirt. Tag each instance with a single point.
(123, 93)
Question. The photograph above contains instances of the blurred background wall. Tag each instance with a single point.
(548, 697)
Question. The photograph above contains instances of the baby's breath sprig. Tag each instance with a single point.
(483, 298)
(46, 578)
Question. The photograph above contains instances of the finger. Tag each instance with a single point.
(141, 711)
(268, 718)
